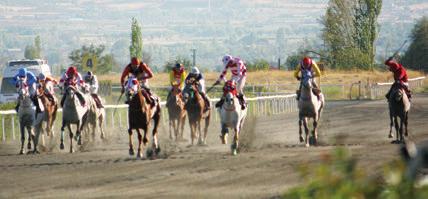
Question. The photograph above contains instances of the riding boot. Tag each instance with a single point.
(17, 107)
(81, 98)
(297, 95)
(206, 100)
(388, 94)
(219, 103)
(62, 100)
(242, 101)
(148, 98)
(97, 101)
(36, 103)
(50, 97)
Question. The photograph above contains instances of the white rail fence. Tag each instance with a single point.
(379, 90)
(257, 106)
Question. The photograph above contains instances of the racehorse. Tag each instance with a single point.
(232, 116)
(140, 114)
(96, 116)
(73, 113)
(399, 106)
(47, 114)
(26, 113)
(195, 105)
(310, 106)
(176, 112)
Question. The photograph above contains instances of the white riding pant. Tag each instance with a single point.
(240, 83)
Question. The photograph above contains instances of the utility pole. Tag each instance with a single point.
(279, 63)
(194, 57)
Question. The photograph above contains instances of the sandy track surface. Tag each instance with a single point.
(265, 168)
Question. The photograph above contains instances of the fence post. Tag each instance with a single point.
(13, 127)
(112, 119)
(120, 120)
(3, 131)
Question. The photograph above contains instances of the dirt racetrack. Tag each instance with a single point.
(265, 168)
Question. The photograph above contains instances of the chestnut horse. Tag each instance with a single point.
(47, 114)
(195, 105)
(140, 114)
(176, 112)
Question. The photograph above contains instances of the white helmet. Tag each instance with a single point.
(226, 59)
(195, 70)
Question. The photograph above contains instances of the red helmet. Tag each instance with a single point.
(71, 70)
(307, 62)
(135, 61)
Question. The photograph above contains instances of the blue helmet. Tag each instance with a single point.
(22, 72)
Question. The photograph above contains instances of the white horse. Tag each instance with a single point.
(73, 113)
(26, 113)
(95, 116)
(231, 117)
(309, 107)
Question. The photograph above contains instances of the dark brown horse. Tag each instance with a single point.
(399, 106)
(48, 113)
(176, 112)
(195, 107)
(140, 114)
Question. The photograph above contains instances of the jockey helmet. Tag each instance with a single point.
(226, 59)
(71, 70)
(195, 71)
(42, 77)
(307, 62)
(135, 61)
(22, 72)
(89, 75)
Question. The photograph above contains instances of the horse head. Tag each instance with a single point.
(176, 95)
(307, 82)
(230, 93)
(132, 87)
(22, 89)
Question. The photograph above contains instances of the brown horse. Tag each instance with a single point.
(176, 112)
(195, 107)
(140, 114)
(48, 113)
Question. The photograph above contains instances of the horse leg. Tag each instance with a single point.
(305, 125)
(406, 117)
(36, 138)
(235, 141)
(397, 130)
(80, 127)
(156, 120)
(131, 147)
(61, 146)
(401, 129)
(315, 132)
(224, 133)
(183, 121)
(198, 125)
(21, 126)
(100, 125)
(170, 126)
(140, 140)
(30, 137)
(70, 134)
(207, 123)
(390, 126)
(300, 131)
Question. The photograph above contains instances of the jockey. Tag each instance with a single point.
(92, 82)
(400, 77)
(199, 78)
(72, 78)
(30, 79)
(142, 72)
(43, 81)
(307, 68)
(239, 75)
(176, 77)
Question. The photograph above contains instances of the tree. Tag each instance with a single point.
(258, 65)
(416, 55)
(350, 30)
(105, 61)
(33, 51)
(136, 47)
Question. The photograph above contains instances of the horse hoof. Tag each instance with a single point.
(61, 146)
(21, 152)
(234, 152)
(79, 142)
(307, 144)
(71, 151)
(36, 152)
(131, 151)
(390, 136)
(28, 146)
(406, 134)
(301, 139)
(139, 155)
